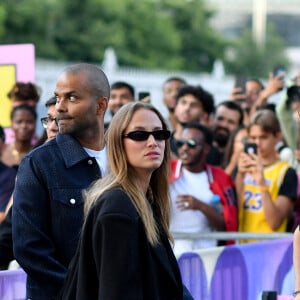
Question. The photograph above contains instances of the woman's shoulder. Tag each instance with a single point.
(115, 201)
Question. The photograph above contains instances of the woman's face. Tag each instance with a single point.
(23, 125)
(144, 156)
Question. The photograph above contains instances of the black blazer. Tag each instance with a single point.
(114, 259)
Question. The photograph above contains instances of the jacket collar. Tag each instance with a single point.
(71, 150)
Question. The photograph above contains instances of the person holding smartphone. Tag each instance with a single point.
(266, 186)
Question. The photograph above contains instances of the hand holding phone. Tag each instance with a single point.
(279, 71)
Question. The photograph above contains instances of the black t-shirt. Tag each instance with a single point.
(289, 184)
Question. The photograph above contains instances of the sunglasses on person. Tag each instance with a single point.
(191, 143)
(46, 120)
(140, 135)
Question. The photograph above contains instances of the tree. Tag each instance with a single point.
(164, 34)
(250, 60)
(31, 21)
(139, 35)
(200, 44)
(152, 34)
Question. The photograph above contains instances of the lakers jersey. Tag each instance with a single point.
(251, 213)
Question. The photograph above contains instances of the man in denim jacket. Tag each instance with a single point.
(48, 203)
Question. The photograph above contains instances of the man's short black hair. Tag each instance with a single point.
(175, 78)
(23, 107)
(207, 134)
(204, 97)
(122, 84)
(51, 101)
(2, 134)
(233, 106)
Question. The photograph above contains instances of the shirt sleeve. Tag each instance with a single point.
(289, 184)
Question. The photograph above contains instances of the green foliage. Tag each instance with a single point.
(165, 34)
(251, 60)
(2, 19)
(201, 45)
(32, 21)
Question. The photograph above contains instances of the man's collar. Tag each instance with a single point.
(71, 149)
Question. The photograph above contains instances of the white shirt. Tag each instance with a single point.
(101, 158)
(190, 221)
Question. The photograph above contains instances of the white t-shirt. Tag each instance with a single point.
(101, 158)
(190, 221)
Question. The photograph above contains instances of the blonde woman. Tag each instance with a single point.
(125, 250)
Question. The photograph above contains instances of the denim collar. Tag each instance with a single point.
(71, 150)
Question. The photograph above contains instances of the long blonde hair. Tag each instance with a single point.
(120, 173)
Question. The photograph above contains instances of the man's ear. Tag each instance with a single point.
(102, 105)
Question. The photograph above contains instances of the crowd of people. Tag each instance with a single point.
(89, 206)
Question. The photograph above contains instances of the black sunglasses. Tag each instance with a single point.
(140, 135)
(46, 120)
(190, 143)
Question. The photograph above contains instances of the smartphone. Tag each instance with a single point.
(143, 95)
(279, 70)
(240, 82)
(269, 295)
(250, 148)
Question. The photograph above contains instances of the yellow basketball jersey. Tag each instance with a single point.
(251, 214)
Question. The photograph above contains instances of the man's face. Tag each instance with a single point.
(253, 90)
(75, 106)
(225, 122)
(52, 128)
(188, 109)
(169, 93)
(119, 97)
(192, 157)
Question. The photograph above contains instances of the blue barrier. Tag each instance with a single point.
(238, 272)
(241, 272)
(12, 284)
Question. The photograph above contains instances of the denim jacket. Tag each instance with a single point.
(48, 212)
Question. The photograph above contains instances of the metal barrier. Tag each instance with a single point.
(220, 235)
